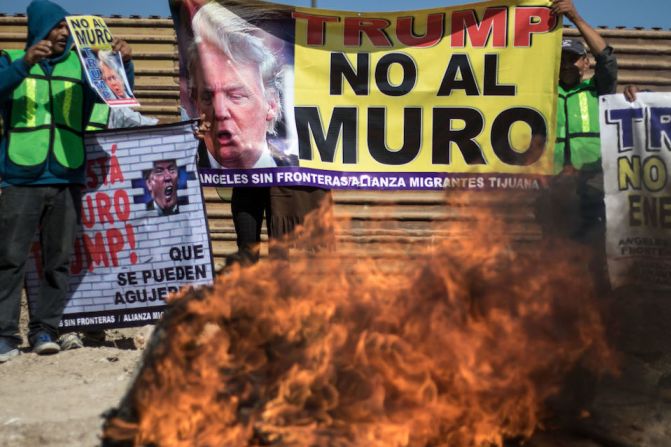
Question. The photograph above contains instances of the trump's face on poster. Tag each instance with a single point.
(113, 80)
(234, 102)
(161, 183)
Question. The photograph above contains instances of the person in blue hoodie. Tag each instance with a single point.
(45, 104)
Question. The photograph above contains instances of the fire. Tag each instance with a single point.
(458, 346)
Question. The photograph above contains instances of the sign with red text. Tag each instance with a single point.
(144, 232)
(450, 97)
(636, 154)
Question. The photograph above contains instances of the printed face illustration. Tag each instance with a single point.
(234, 101)
(113, 81)
(162, 183)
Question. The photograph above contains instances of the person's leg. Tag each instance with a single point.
(59, 227)
(289, 207)
(592, 233)
(248, 206)
(20, 211)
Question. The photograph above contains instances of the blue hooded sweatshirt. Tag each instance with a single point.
(43, 16)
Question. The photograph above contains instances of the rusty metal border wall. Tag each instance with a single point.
(376, 218)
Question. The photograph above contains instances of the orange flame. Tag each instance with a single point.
(459, 346)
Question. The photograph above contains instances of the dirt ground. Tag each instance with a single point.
(58, 400)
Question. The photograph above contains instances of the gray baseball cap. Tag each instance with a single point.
(574, 46)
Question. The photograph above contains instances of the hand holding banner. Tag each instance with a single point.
(336, 99)
(102, 62)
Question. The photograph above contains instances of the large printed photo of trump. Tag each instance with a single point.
(236, 76)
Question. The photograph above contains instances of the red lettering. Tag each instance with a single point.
(103, 205)
(494, 23)
(121, 204)
(130, 234)
(91, 176)
(96, 252)
(115, 174)
(466, 26)
(532, 20)
(77, 264)
(95, 172)
(100, 250)
(103, 208)
(316, 27)
(435, 28)
(88, 213)
(115, 244)
(356, 27)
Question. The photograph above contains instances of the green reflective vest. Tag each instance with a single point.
(578, 141)
(46, 122)
(99, 117)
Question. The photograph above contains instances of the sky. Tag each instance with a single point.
(611, 13)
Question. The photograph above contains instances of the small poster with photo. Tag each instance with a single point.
(103, 67)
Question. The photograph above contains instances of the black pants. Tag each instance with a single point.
(54, 211)
(248, 206)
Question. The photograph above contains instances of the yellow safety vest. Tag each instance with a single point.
(46, 121)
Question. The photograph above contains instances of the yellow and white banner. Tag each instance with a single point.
(402, 100)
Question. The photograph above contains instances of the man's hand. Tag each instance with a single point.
(594, 40)
(202, 128)
(37, 52)
(568, 171)
(630, 92)
(565, 7)
(122, 47)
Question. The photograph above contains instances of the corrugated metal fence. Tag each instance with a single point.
(376, 218)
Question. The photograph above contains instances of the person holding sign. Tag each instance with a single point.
(45, 104)
(237, 92)
(578, 147)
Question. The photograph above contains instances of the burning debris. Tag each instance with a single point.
(461, 346)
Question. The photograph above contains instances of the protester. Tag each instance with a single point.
(42, 165)
(161, 183)
(573, 204)
(237, 93)
(578, 147)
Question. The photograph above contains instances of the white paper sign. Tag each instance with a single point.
(636, 152)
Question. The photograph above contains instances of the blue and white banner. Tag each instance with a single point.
(636, 148)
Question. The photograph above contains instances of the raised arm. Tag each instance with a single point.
(593, 39)
(13, 73)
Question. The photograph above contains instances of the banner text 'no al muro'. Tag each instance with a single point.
(449, 97)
